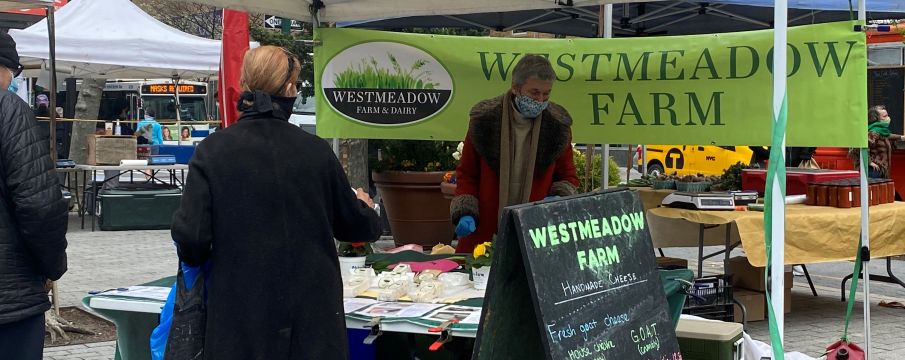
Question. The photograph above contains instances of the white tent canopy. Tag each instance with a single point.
(352, 10)
(116, 39)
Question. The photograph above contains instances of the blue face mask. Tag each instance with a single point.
(13, 84)
(529, 107)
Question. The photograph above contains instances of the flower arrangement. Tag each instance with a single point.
(354, 249)
(450, 176)
(482, 255)
(414, 155)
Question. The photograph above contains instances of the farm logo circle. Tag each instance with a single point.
(386, 83)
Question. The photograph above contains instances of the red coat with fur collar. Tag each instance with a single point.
(477, 177)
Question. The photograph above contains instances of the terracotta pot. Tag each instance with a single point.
(856, 196)
(448, 190)
(415, 206)
(891, 191)
(874, 194)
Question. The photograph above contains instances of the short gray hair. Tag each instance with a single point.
(873, 114)
(532, 66)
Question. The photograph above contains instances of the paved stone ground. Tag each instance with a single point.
(103, 260)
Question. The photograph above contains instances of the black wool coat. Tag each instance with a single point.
(262, 203)
(33, 214)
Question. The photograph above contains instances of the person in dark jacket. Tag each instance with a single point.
(33, 220)
(262, 205)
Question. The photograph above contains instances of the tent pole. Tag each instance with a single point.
(605, 29)
(178, 109)
(777, 254)
(865, 228)
(51, 36)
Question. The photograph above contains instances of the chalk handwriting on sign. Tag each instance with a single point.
(588, 262)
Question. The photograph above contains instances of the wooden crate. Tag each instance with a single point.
(109, 150)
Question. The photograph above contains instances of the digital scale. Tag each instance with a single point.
(700, 201)
(161, 159)
(65, 163)
(744, 197)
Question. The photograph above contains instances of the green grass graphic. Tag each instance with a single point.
(371, 76)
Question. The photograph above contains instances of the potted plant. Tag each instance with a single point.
(591, 182)
(352, 255)
(480, 264)
(408, 174)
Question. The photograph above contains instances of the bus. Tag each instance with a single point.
(135, 96)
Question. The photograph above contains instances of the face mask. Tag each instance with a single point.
(13, 84)
(886, 120)
(284, 103)
(529, 107)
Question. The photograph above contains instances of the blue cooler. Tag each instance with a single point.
(357, 348)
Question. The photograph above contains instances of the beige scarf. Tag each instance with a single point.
(506, 156)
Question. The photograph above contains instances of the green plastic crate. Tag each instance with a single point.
(710, 340)
(138, 208)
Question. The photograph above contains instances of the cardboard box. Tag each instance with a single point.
(109, 150)
(666, 261)
(748, 277)
(755, 305)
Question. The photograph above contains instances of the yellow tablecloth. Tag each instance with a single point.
(651, 198)
(814, 234)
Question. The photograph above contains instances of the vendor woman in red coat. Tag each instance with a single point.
(518, 149)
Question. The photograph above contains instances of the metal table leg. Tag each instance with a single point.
(890, 278)
(94, 206)
(807, 275)
(700, 250)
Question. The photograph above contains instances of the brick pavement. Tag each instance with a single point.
(102, 260)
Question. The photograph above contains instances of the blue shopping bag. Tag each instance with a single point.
(162, 331)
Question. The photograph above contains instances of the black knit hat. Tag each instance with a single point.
(9, 58)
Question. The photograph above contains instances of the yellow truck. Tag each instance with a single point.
(691, 160)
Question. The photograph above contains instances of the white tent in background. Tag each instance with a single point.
(116, 39)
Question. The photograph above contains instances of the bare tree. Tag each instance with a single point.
(193, 18)
(189, 17)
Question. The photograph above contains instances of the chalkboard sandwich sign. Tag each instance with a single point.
(576, 279)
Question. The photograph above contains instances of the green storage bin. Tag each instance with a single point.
(138, 208)
(710, 340)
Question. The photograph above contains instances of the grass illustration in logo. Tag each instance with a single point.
(374, 93)
(371, 76)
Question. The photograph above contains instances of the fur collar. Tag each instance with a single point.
(555, 132)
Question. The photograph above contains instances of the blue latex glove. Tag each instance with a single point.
(466, 226)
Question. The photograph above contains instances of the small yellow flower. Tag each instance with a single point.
(480, 250)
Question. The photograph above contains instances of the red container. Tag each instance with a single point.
(832, 196)
(891, 191)
(821, 191)
(797, 179)
(856, 196)
(810, 200)
(845, 197)
(874, 194)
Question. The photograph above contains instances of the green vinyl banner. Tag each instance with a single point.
(702, 89)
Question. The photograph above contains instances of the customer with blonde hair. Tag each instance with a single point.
(262, 205)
